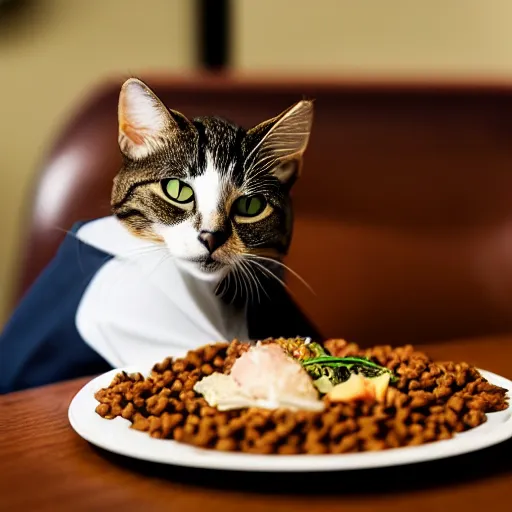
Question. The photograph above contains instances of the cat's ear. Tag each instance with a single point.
(145, 123)
(283, 142)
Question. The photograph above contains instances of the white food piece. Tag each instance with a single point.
(267, 372)
(355, 388)
(381, 384)
(218, 388)
(265, 377)
(323, 384)
(358, 387)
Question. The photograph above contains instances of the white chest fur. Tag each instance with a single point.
(141, 307)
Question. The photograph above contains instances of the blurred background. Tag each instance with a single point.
(53, 53)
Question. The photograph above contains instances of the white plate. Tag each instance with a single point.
(116, 436)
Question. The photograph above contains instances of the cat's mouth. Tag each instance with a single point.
(207, 263)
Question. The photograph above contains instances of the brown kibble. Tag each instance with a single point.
(193, 420)
(368, 427)
(285, 428)
(167, 377)
(288, 449)
(442, 392)
(186, 395)
(212, 351)
(374, 444)
(141, 424)
(270, 437)
(207, 369)
(317, 449)
(138, 401)
(190, 429)
(170, 421)
(415, 429)
(158, 406)
(155, 423)
(128, 411)
(392, 439)
(208, 411)
(218, 362)
(178, 434)
(341, 429)
(226, 445)
(179, 366)
(163, 366)
(194, 359)
(103, 409)
(189, 384)
(136, 377)
(474, 418)
(431, 401)
(204, 437)
(225, 431)
(400, 430)
(455, 403)
(176, 386)
(192, 407)
(116, 410)
(476, 403)
(346, 444)
(294, 440)
(421, 399)
(451, 417)
(416, 440)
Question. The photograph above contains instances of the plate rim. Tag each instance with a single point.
(201, 458)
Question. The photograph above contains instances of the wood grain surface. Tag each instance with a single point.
(45, 466)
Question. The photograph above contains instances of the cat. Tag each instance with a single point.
(192, 253)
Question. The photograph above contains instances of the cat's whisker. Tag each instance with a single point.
(137, 250)
(228, 283)
(261, 284)
(243, 284)
(286, 267)
(234, 273)
(271, 274)
(249, 280)
(257, 282)
(235, 278)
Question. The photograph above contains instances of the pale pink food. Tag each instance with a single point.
(264, 376)
(266, 372)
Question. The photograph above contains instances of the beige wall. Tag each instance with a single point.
(374, 36)
(56, 52)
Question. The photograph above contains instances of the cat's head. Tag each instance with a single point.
(214, 193)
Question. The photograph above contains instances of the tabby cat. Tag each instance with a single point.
(202, 218)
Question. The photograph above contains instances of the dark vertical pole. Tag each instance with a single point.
(214, 23)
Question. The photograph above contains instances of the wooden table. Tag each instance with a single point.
(45, 466)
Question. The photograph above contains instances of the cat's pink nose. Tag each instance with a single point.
(212, 240)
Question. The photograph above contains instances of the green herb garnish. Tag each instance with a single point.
(324, 368)
(339, 369)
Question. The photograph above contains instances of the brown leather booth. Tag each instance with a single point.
(403, 212)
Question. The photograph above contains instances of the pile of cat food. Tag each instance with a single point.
(294, 396)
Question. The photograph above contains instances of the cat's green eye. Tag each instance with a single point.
(177, 191)
(249, 206)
